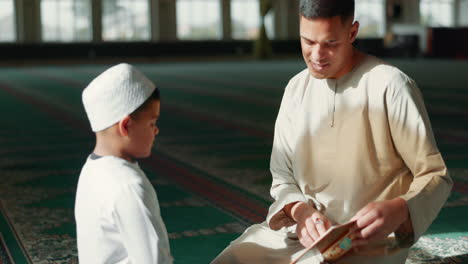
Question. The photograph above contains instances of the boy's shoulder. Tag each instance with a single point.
(109, 182)
(114, 173)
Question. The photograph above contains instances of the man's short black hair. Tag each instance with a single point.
(311, 9)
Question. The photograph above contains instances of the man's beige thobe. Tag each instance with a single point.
(340, 144)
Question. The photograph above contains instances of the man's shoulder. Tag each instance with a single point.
(383, 72)
(298, 82)
(300, 76)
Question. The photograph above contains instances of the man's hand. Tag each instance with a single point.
(311, 224)
(379, 219)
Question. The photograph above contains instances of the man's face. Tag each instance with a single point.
(327, 46)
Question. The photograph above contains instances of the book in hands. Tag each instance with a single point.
(333, 244)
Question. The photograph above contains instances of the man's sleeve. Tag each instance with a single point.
(414, 140)
(135, 217)
(284, 189)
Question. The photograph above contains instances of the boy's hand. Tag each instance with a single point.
(379, 219)
(311, 224)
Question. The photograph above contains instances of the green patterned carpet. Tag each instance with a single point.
(210, 163)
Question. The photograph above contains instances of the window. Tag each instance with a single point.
(198, 19)
(245, 17)
(463, 18)
(66, 20)
(437, 13)
(7, 21)
(270, 24)
(126, 20)
(371, 15)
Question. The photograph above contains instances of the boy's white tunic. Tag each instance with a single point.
(117, 215)
(340, 144)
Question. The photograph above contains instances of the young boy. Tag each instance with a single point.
(117, 211)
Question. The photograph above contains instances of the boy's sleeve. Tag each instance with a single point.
(413, 138)
(137, 219)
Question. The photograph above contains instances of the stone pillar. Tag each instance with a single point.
(96, 20)
(154, 22)
(286, 17)
(293, 19)
(226, 19)
(28, 21)
(165, 20)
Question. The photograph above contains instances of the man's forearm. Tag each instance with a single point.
(405, 233)
(296, 210)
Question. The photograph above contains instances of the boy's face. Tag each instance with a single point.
(143, 130)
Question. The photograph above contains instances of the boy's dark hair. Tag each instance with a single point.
(155, 96)
(311, 9)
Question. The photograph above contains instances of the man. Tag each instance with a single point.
(352, 142)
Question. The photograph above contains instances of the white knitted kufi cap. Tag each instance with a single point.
(114, 94)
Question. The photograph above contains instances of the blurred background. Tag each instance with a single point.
(85, 29)
(221, 66)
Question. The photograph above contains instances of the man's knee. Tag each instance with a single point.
(257, 245)
(244, 253)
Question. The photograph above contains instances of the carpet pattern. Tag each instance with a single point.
(5, 257)
(210, 162)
